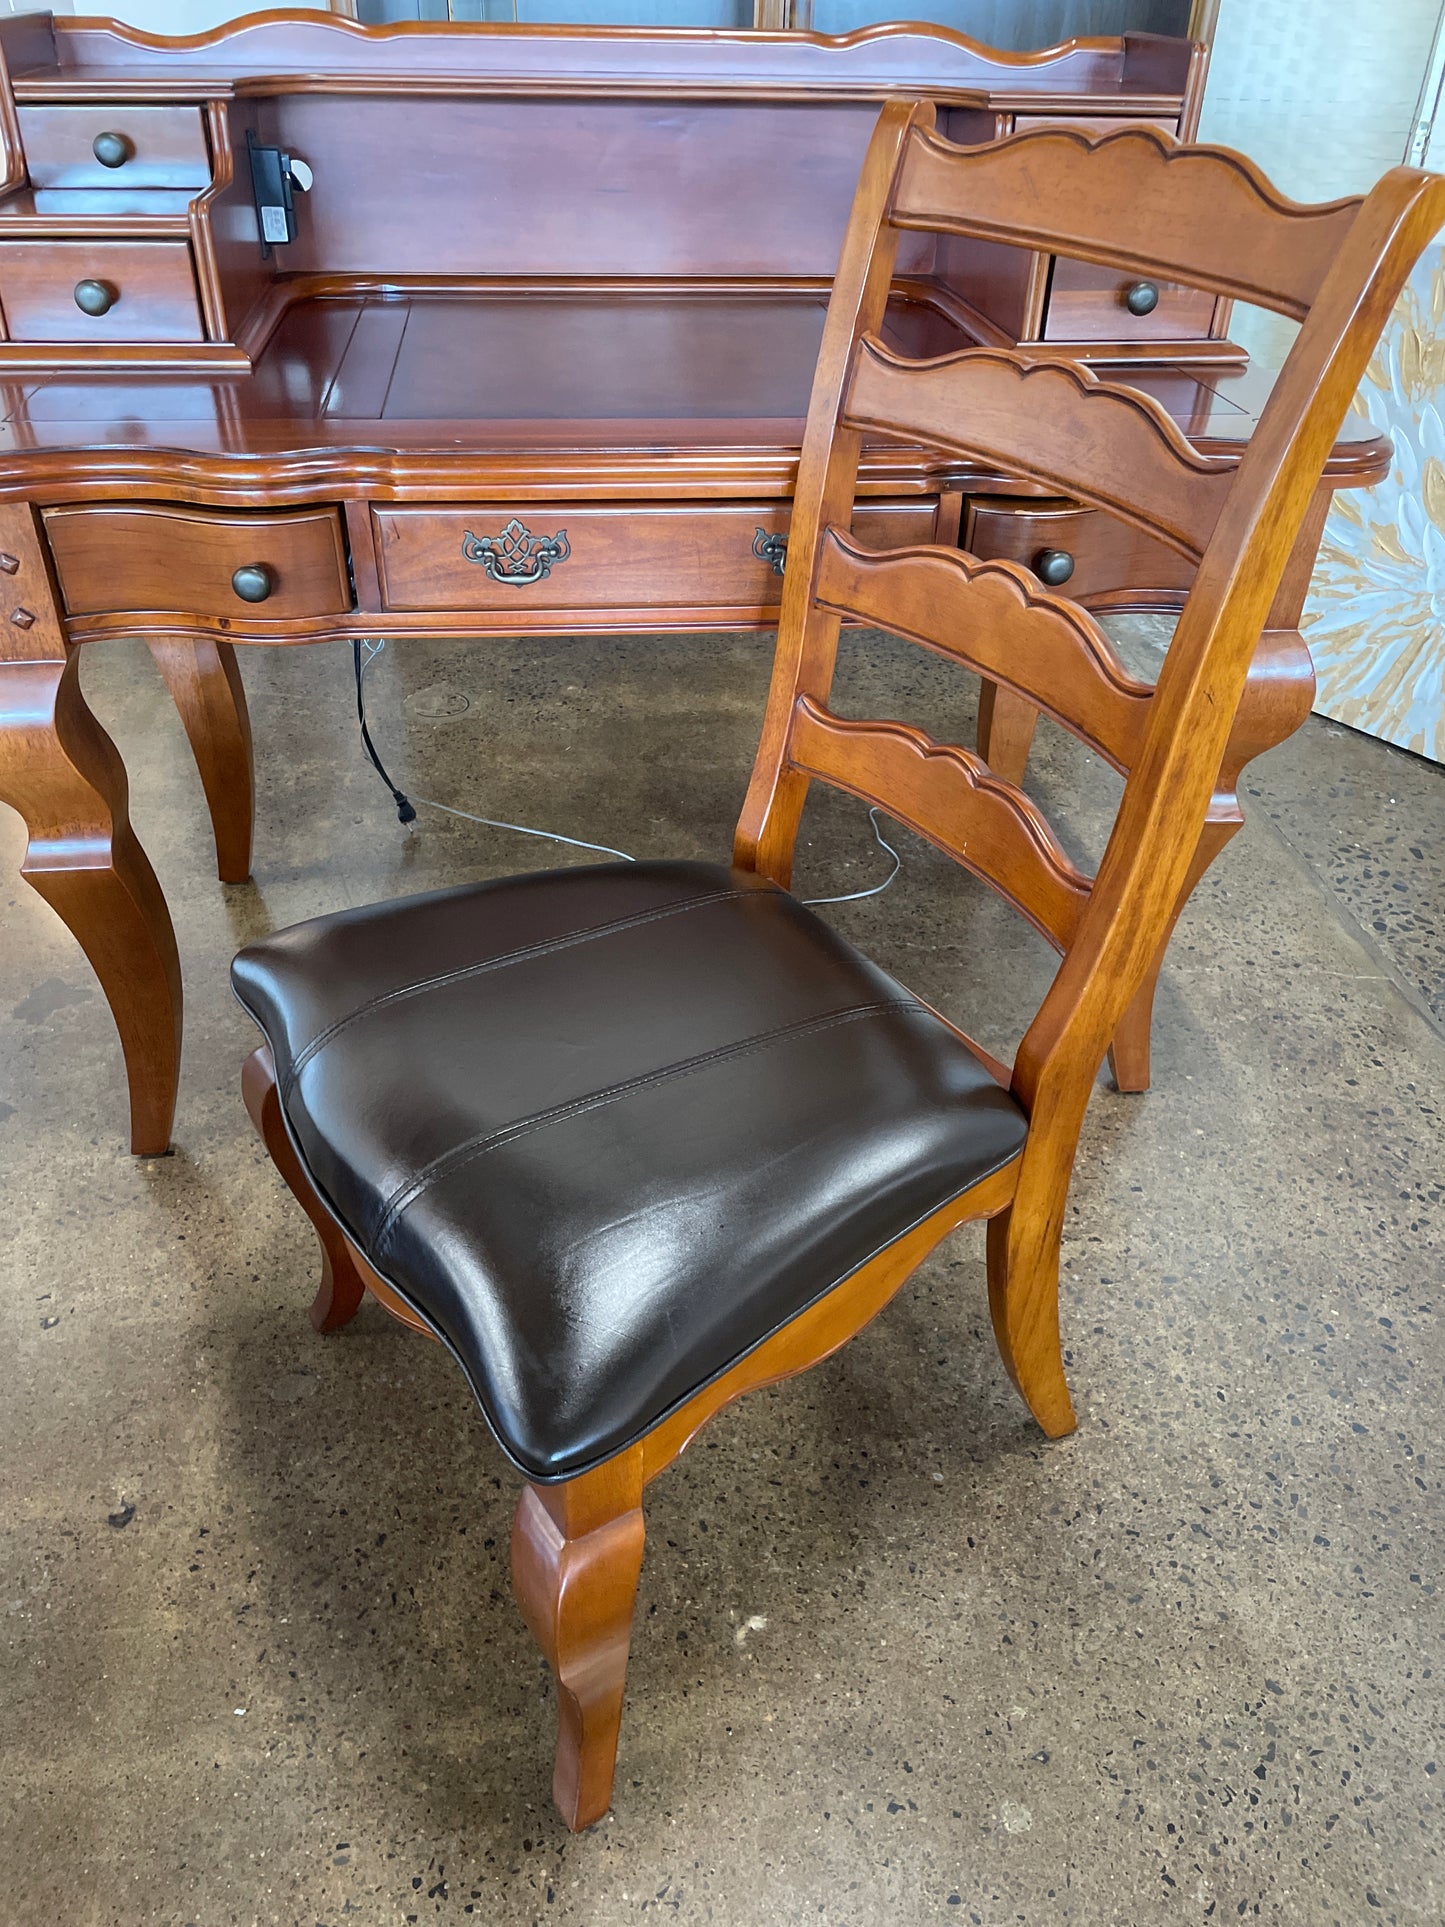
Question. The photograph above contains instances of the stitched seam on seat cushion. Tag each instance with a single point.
(462, 1154)
(543, 949)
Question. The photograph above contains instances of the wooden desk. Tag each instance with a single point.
(545, 371)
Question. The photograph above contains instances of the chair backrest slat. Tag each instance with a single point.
(955, 800)
(993, 618)
(1200, 216)
(1143, 203)
(1056, 423)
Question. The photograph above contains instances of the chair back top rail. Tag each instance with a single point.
(1135, 199)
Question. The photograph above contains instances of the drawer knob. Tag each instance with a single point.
(1053, 566)
(1141, 298)
(254, 582)
(111, 150)
(95, 297)
(516, 556)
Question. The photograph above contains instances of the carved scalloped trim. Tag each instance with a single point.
(1024, 590)
(403, 30)
(1078, 382)
(1047, 369)
(1146, 157)
(1172, 153)
(1070, 883)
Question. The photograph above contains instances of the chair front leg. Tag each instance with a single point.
(339, 1295)
(576, 1558)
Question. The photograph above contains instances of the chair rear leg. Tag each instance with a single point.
(576, 1557)
(339, 1295)
(1023, 1300)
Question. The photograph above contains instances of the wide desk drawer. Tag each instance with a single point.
(1081, 552)
(99, 292)
(124, 556)
(640, 558)
(115, 145)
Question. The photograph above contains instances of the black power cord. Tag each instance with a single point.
(405, 809)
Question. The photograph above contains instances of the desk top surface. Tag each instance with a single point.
(652, 377)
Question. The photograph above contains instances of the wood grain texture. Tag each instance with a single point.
(153, 285)
(63, 776)
(204, 680)
(948, 795)
(167, 146)
(576, 1558)
(140, 556)
(1086, 303)
(1109, 556)
(1250, 528)
(1133, 199)
(994, 618)
(342, 1288)
(618, 558)
(1055, 422)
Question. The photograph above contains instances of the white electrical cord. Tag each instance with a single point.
(877, 889)
(522, 829)
(367, 655)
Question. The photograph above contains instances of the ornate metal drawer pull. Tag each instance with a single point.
(772, 549)
(506, 557)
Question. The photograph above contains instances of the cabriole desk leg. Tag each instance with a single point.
(64, 777)
(205, 684)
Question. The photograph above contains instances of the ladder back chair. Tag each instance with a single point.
(632, 1139)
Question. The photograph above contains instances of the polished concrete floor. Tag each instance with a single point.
(897, 1658)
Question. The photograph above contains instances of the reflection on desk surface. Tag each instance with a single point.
(528, 369)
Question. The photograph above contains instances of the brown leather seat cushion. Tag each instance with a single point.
(608, 1128)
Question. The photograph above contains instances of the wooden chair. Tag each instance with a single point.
(632, 1139)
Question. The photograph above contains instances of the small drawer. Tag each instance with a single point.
(115, 557)
(1092, 554)
(1088, 303)
(115, 146)
(1095, 125)
(636, 560)
(98, 292)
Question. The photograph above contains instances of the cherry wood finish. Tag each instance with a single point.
(748, 172)
(1118, 450)
(150, 285)
(577, 1545)
(1088, 304)
(630, 556)
(145, 147)
(61, 773)
(633, 368)
(1106, 554)
(204, 680)
(132, 557)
